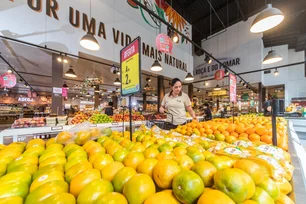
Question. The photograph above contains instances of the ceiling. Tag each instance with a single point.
(224, 13)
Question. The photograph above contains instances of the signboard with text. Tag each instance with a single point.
(219, 74)
(232, 87)
(164, 43)
(130, 62)
(217, 93)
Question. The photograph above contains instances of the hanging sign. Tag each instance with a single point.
(130, 62)
(245, 96)
(57, 90)
(219, 74)
(232, 87)
(8, 80)
(34, 94)
(29, 94)
(217, 93)
(64, 92)
(164, 43)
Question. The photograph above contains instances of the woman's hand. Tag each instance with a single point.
(161, 109)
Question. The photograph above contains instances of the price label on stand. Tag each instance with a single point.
(130, 64)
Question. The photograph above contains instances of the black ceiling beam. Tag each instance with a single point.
(244, 17)
(207, 16)
(188, 3)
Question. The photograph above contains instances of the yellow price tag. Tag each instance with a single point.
(130, 68)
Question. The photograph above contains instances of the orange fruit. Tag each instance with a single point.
(147, 143)
(221, 128)
(214, 197)
(179, 151)
(209, 131)
(262, 197)
(44, 178)
(109, 171)
(230, 139)
(266, 139)
(249, 202)
(184, 161)
(283, 199)
(120, 154)
(133, 159)
(206, 171)
(63, 137)
(232, 183)
(121, 177)
(254, 137)
(146, 166)
(219, 137)
(138, 147)
(81, 180)
(150, 152)
(138, 188)
(240, 129)
(160, 197)
(252, 169)
(244, 135)
(249, 131)
(261, 131)
(235, 134)
(164, 171)
(231, 128)
(170, 193)
(270, 187)
(187, 186)
(111, 197)
(248, 182)
(102, 160)
(165, 156)
(216, 132)
(112, 150)
(225, 133)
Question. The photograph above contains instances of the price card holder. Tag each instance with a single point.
(115, 123)
(93, 125)
(56, 128)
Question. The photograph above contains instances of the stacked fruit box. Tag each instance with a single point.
(156, 166)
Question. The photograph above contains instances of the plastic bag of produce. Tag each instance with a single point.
(235, 152)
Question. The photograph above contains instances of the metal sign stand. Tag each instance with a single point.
(130, 112)
(274, 132)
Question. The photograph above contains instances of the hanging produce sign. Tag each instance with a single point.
(245, 96)
(29, 94)
(219, 74)
(232, 87)
(164, 43)
(64, 92)
(217, 93)
(130, 62)
(8, 80)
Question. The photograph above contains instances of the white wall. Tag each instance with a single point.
(292, 77)
(237, 41)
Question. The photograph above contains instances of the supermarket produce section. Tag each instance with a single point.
(216, 161)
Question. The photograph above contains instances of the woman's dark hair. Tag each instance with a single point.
(174, 81)
(110, 103)
(206, 104)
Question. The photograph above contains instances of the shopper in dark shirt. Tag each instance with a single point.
(207, 112)
(109, 110)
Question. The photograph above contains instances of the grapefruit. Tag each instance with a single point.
(138, 188)
(187, 186)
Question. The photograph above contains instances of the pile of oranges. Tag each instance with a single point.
(255, 129)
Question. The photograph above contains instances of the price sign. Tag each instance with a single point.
(130, 68)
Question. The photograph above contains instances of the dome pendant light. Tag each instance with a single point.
(156, 67)
(89, 42)
(218, 88)
(267, 19)
(70, 73)
(117, 82)
(272, 57)
(189, 77)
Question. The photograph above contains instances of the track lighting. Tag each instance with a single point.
(226, 72)
(276, 72)
(9, 71)
(198, 91)
(240, 82)
(65, 60)
(148, 79)
(173, 35)
(208, 59)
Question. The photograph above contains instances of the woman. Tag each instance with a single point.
(109, 110)
(207, 112)
(176, 103)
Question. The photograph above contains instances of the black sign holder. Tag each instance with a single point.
(273, 114)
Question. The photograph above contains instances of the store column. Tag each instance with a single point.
(160, 91)
(57, 82)
(144, 97)
(261, 96)
(96, 97)
(190, 91)
(115, 101)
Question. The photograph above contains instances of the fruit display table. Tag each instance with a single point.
(298, 159)
(8, 136)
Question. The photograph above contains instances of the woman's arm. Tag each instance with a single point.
(191, 112)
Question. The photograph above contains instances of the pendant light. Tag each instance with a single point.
(218, 88)
(88, 41)
(267, 19)
(272, 57)
(226, 72)
(156, 67)
(88, 94)
(70, 73)
(189, 77)
(208, 59)
(276, 72)
(117, 82)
